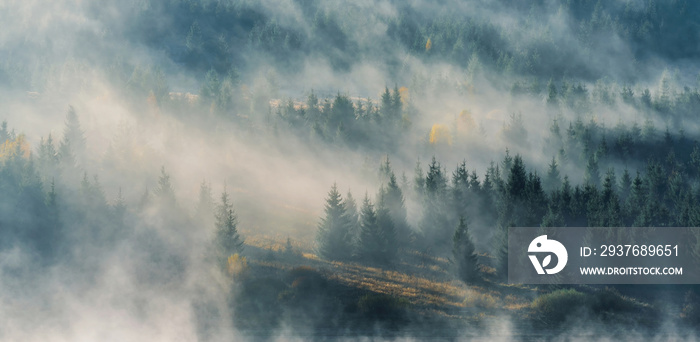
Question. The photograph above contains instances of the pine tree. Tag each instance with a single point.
(396, 103)
(474, 184)
(507, 164)
(164, 192)
(625, 185)
(92, 192)
(553, 177)
(227, 240)
(385, 170)
(517, 179)
(370, 237)
(387, 238)
(387, 106)
(48, 159)
(464, 253)
(636, 201)
(435, 181)
(418, 180)
(552, 99)
(535, 201)
(592, 174)
(53, 231)
(500, 249)
(333, 237)
(350, 206)
(460, 188)
(627, 95)
(611, 202)
(394, 201)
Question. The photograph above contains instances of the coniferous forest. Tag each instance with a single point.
(236, 170)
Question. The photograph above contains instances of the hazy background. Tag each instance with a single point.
(203, 89)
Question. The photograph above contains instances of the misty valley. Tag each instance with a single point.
(238, 170)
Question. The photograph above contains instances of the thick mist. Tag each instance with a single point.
(274, 102)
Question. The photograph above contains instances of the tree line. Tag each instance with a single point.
(53, 208)
(459, 208)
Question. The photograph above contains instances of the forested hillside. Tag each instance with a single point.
(272, 170)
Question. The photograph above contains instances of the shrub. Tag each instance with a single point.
(606, 305)
(555, 307)
(381, 307)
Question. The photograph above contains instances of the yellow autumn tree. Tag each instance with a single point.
(428, 45)
(237, 265)
(403, 92)
(440, 134)
(11, 148)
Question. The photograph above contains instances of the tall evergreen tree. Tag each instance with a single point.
(396, 103)
(435, 181)
(387, 239)
(387, 105)
(393, 199)
(592, 174)
(507, 164)
(517, 179)
(552, 99)
(464, 253)
(418, 180)
(553, 181)
(625, 185)
(227, 240)
(164, 192)
(353, 218)
(460, 189)
(377, 235)
(370, 236)
(333, 237)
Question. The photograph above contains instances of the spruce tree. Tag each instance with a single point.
(387, 105)
(553, 181)
(387, 237)
(464, 253)
(625, 185)
(396, 103)
(592, 174)
(551, 93)
(394, 201)
(353, 217)
(418, 180)
(435, 181)
(377, 235)
(517, 179)
(333, 237)
(370, 238)
(460, 189)
(164, 193)
(227, 240)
